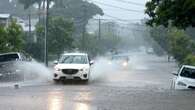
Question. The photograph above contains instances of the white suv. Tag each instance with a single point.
(185, 78)
(74, 66)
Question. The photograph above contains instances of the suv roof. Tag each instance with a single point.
(10, 53)
(5, 57)
(189, 66)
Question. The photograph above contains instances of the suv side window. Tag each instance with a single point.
(8, 57)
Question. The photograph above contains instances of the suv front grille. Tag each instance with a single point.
(70, 71)
(191, 87)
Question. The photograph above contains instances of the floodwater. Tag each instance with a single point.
(144, 85)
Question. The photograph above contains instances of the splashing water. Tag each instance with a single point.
(104, 70)
(35, 71)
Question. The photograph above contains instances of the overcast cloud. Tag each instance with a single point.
(122, 13)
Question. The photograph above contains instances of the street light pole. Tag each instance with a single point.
(84, 28)
(29, 24)
(99, 33)
(46, 33)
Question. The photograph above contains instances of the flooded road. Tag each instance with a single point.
(144, 85)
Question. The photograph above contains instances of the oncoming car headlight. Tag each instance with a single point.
(17, 70)
(125, 63)
(110, 62)
(181, 83)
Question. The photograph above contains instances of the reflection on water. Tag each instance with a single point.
(56, 101)
(83, 96)
(81, 106)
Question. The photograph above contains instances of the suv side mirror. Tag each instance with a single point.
(175, 73)
(91, 62)
(55, 62)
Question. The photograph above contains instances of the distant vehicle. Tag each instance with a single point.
(120, 60)
(185, 78)
(150, 51)
(8, 65)
(73, 66)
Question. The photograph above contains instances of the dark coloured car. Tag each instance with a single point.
(9, 65)
(120, 60)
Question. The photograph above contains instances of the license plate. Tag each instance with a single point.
(69, 77)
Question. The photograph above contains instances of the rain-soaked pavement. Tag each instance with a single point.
(144, 85)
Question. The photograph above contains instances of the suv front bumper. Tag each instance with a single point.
(59, 75)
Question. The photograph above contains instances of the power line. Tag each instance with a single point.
(130, 2)
(123, 20)
(115, 18)
(108, 5)
(127, 24)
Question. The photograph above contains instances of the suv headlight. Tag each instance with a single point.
(84, 70)
(181, 83)
(57, 69)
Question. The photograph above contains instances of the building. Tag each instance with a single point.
(28, 27)
(5, 19)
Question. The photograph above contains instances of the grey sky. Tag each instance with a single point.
(120, 13)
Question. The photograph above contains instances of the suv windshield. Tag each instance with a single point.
(188, 73)
(8, 57)
(74, 59)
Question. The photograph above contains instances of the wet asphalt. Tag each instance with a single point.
(144, 85)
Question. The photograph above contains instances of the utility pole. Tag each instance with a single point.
(84, 28)
(29, 24)
(46, 32)
(99, 33)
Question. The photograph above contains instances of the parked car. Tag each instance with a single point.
(9, 65)
(72, 66)
(185, 78)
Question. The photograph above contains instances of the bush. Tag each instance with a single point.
(180, 44)
(189, 60)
